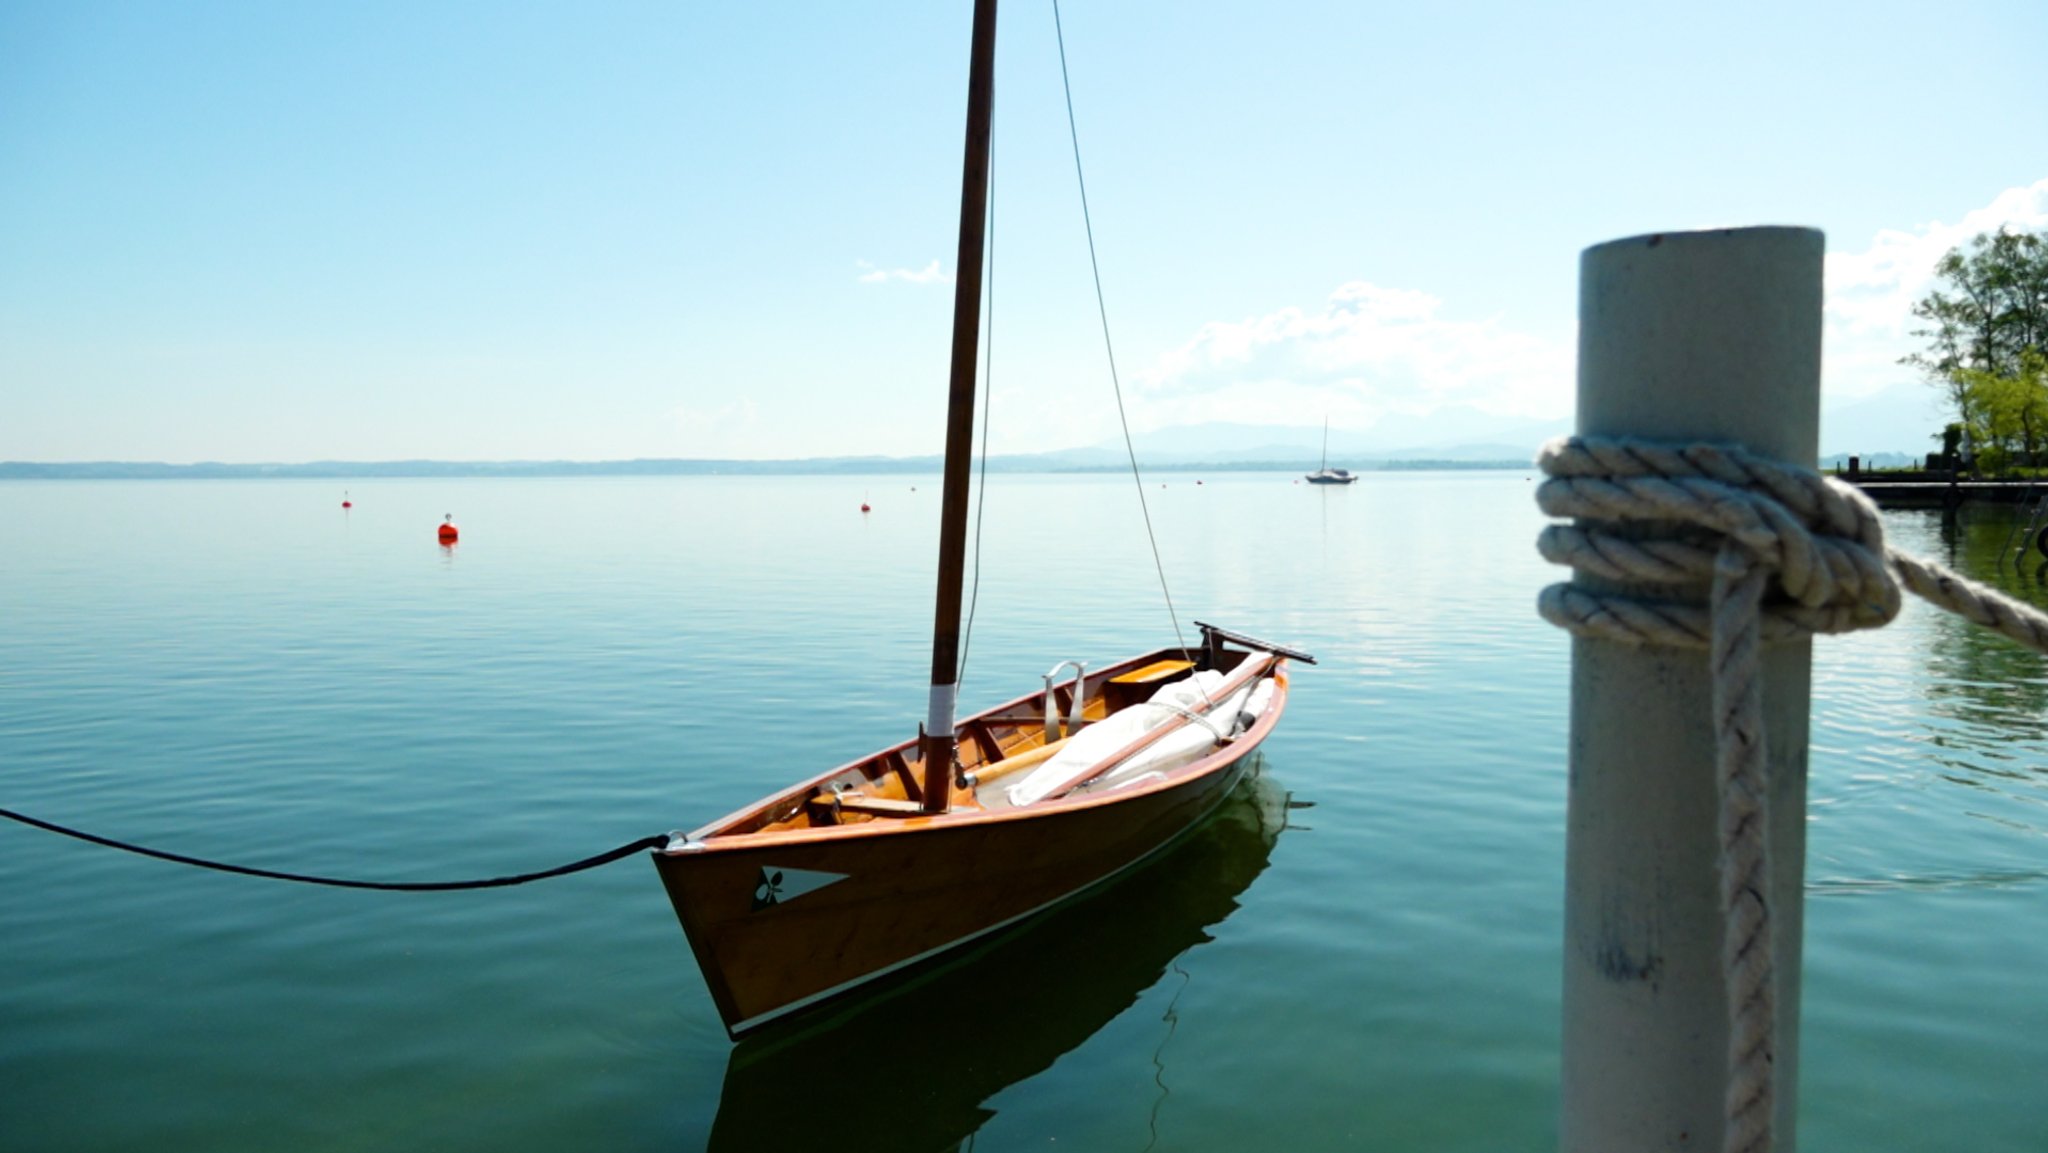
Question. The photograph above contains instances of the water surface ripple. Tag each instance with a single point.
(1363, 952)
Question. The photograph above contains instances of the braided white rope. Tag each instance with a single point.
(1782, 552)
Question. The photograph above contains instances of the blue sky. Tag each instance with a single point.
(278, 232)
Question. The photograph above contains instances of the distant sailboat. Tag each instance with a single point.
(1326, 474)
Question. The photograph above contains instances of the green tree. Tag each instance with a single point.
(1988, 314)
(2011, 421)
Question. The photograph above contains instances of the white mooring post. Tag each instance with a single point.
(1683, 336)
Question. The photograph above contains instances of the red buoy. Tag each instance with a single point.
(447, 532)
(345, 503)
(863, 506)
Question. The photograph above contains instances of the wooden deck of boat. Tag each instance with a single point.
(993, 746)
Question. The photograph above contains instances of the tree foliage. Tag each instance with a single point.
(2011, 421)
(1986, 327)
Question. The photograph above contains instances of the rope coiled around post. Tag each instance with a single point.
(1781, 552)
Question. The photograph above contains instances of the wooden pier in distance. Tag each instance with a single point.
(1942, 493)
(1936, 488)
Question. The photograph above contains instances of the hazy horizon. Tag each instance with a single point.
(1864, 428)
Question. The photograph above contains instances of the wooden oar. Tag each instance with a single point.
(1024, 760)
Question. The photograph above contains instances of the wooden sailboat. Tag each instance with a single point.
(975, 824)
(1326, 474)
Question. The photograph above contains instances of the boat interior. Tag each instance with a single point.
(999, 745)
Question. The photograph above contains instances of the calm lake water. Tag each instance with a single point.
(1361, 952)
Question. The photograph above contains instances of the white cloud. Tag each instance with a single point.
(1370, 351)
(929, 274)
(1870, 293)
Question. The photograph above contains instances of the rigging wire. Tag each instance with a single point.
(988, 394)
(604, 858)
(1102, 309)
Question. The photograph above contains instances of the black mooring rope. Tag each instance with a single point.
(605, 858)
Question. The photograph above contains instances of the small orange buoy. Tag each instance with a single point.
(447, 532)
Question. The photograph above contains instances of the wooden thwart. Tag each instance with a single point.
(877, 806)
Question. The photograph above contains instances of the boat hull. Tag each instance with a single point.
(1057, 980)
(784, 920)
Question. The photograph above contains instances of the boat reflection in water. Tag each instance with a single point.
(946, 1039)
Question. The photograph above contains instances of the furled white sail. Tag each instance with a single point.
(1212, 719)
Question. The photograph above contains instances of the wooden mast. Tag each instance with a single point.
(938, 734)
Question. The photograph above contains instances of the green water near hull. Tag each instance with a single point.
(241, 670)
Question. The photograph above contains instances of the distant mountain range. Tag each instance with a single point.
(1078, 461)
(1483, 441)
(1223, 447)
